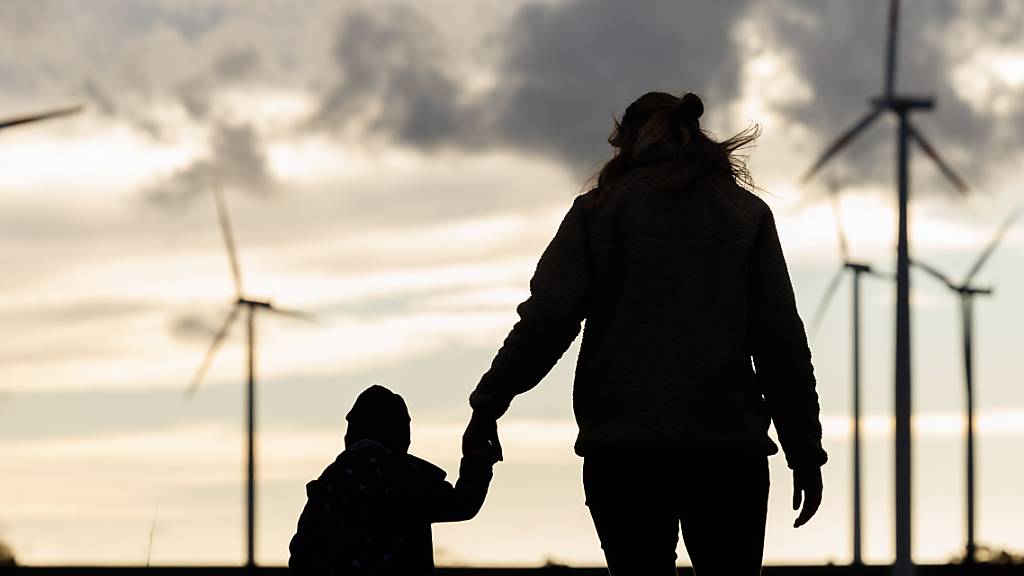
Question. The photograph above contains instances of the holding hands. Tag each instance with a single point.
(481, 439)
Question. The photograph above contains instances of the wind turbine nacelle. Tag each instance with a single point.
(903, 103)
(254, 303)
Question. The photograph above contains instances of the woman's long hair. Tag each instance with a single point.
(659, 126)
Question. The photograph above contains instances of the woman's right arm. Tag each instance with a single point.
(549, 320)
(781, 355)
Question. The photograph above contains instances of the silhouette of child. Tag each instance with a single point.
(370, 510)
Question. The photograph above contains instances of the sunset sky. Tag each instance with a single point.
(396, 167)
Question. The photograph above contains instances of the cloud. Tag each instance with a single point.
(235, 66)
(155, 64)
(571, 65)
(238, 64)
(562, 71)
(564, 68)
(538, 78)
(236, 161)
(166, 76)
(393, 78)
(86, 310)
(541, 78)
(107, 106)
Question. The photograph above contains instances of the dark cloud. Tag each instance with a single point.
(571, 65)
(238, 64)
(236, 161)
(566, 68)
(393, 79)
(194, 93)
(124, 58)
(99, 101)
(234, 67)
(838, 48)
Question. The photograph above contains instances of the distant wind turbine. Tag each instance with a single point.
(856, 269)
(967, 291)
(901, 106)
(10, 122)
(250, 305)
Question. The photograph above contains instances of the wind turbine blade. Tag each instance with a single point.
(297, 314)
(890, 52)
(882, 275)
(37, 117)
(1003, 228)
(229, 239)
(212, 350)
(842, 141)
(931, 270)
(932, 153)
(833, 192)
(819, 312)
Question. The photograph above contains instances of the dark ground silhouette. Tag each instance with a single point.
(7, 556)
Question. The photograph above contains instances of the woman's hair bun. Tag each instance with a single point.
(691, 108)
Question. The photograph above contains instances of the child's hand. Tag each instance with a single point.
(487, 452)
(481, 441)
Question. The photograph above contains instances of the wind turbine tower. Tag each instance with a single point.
(966, 291)
(856, 269)
(901, 106)
(250, 306)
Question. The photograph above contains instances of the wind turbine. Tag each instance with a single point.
(250, 306)
(9, 122)
(856, 269)
(967, 291)
(900, 106)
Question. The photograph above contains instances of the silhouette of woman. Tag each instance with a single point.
(692, 346)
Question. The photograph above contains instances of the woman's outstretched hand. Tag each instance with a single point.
(806, 487)
(481, 438)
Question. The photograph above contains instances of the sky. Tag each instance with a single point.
(395, 168)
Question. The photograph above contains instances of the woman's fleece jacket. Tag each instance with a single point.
(692, 334)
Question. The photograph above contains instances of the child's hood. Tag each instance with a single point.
(381, 415)
(368, 461)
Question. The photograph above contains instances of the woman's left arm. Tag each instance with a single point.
(549, 320)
